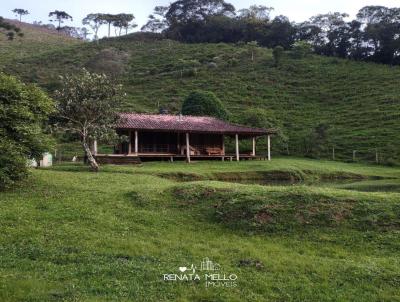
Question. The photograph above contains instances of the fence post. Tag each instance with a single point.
(354, 155)
(376, 156)
(333, 153)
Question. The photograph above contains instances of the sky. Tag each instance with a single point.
(296, 10)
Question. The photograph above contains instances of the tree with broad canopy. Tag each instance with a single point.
(88, 105)
(24, 111)
(59, 17)
(20, 12)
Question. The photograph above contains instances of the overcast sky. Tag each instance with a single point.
(296, 10)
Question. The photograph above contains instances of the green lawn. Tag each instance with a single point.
(71, 235)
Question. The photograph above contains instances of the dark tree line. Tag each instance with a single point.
(373, 36)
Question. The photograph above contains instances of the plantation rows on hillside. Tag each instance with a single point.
(357, 102)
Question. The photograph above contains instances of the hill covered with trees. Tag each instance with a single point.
(320, 103)
(374, 35)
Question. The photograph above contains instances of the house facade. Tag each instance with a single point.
(154, 136)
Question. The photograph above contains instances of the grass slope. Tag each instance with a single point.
(37, 41)
(359, 101)
(72, 235)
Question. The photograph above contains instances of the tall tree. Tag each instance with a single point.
(20, 12)
(382, 32)
(124, 21)
(157, 21)
(326, 32)
(256, 12)
(95, 21)
(182, 11)
(109, 19)
(253, 47)
(88, 106)
(23, 111)
(59, 17)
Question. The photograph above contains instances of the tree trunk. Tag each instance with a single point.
(96, 37)
(92, 162)
(109, 29)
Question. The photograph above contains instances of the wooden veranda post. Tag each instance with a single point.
(136, 142)
(269, 146)
(237, 146)
(130, 143)
(187, 148)
(254, 147)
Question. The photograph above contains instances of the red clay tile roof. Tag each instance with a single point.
(185, 123)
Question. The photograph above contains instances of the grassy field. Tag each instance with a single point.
(358, 101)
(71, 235)
(36, 43)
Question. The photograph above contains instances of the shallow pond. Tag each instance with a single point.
(382, 185)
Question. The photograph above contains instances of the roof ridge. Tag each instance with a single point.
(167, 114)
(206, 124)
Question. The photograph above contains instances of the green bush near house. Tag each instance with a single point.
(206, 103)
(23, 111)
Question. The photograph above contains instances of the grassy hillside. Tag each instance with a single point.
(36, 41)
(71, 235)
(359, 101)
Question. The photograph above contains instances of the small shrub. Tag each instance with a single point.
(301, 50)
(277, 53)
(233, 62)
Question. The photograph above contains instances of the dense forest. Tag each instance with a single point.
(373, 36)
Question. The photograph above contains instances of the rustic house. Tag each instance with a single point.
(153, 136)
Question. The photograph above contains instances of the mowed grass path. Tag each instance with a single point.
(71, 235)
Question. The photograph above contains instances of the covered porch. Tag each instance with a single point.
(172, 138)
(178, 146)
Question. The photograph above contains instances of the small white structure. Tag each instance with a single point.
(47, 160)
